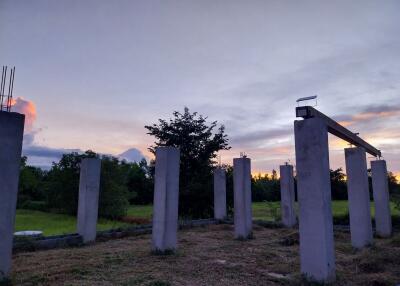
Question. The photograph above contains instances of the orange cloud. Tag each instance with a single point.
(26, 107)
(368, 115)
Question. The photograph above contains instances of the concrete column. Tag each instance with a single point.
(287, 196)
(317, 253)
(242, 198)
(358, 194)
(383, 219)
(166, 197)
(219, 193)
(11, 135)
(89, 186)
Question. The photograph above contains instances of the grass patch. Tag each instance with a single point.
(140, 211)
(52, 224)
(271, 210)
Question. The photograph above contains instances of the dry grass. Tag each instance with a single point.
(206, 256)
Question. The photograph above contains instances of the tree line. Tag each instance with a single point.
(124, 183)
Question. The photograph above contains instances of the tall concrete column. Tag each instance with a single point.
(166, 197)
(358, 194)
(243, 219)
(317, 253)
(383, 219)
(11, 135)
(287, 196)
(219, 193)
(88, 205)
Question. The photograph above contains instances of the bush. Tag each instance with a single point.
(114, 195)
(34, 205)
(62, 186)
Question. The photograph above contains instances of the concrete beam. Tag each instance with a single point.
(88, 205)
(219, 193)
(337, 129)
(243, 219)
(11, 135)
(287, 196)
(317, 253)
(383, 219)
(166, 197)
(358, 194)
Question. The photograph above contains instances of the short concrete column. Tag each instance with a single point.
(219, 193)
(383, 219)
(358, 194)
(166, 197)
(88, 205)
(317, 253)
(11, 135)
(243, 219)
(287, 196)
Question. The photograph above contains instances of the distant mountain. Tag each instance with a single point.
(132, 155)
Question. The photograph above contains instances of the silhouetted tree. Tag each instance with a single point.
(198, 143)
(338, 184)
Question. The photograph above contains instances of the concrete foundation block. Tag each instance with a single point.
(219, 193)
(166, 197)
(11, 136)
(88, 205)
(380, 186)
(317, 252)
(287, 196)
(358, 194)
(243, 219)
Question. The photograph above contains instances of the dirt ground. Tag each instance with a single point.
(206, 256)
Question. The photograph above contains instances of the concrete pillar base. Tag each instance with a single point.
(358, 193)
(317, 252)
(287, 196)
(88, 205)
(243, 219)
(219, 193)
(166, 197)
(380, 186)
(11, 136)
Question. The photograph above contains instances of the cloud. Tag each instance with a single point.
(263, 135)
(370, 113)
(47, 152)
(28, 108)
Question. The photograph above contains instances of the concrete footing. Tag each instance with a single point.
(317, 255)
(219, 193)
(11, 136)
(358, 194)
(287, 196)
(89, 187)
(243, 219)
(383, 219)
(166, 196)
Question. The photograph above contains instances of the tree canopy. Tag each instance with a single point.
(199, 142)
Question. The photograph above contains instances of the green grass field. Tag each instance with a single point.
(52, 224)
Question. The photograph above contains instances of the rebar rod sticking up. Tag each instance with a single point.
(6, 102)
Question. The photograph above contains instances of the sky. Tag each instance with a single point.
(90, 74)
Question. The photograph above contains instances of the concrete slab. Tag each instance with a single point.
(243, 219)
(219, 193)
(287, 196)
(358, 194)
(11, 136)
(317, 255)
(380, 185)
(88, 205)
(166, 197)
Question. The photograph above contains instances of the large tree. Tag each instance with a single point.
(199, 142)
